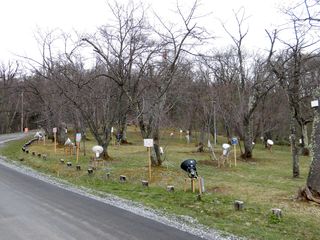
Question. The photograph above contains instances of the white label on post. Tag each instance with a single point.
(112, 129)
(148, 142)
(78, 137)
(54, 130)
(315, 103)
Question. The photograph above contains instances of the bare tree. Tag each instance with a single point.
(243, 81)
(142, 65)
(307, 13)
(10, 96)
(288, 68)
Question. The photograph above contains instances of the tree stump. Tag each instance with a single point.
(33, 153)
(123, 178)
(238, 205)
(170, 188)
(69, 164)
(145, 183)
(276, 212)
(62, 161)
(21, 159)
(39, 155)
(78, 167)
(90, 171)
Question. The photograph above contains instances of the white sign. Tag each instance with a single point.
(181, 131)
(315, 103)
(148, 142)
(78, 137)
(111, 129)
(54, 130)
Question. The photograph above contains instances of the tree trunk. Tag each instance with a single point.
(247, 138)
(305, 139)
(313, 181)
(201, 140)
(294, 147)
(61, 134)
(123, 131)
(104, 143)
(156, 158)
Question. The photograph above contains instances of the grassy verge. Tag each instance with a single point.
(262, 183)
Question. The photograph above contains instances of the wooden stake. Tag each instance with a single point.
(192, 185)
(149, 153)
(77, 144)
(55, 142)
(235, 155)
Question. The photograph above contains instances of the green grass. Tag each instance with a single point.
(262, 183)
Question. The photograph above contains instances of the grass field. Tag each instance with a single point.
(263, 183)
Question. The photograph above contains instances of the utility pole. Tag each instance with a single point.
(22, 111)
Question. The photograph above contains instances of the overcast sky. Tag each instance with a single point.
(21, 19)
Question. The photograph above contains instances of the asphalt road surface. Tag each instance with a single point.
(37, 210)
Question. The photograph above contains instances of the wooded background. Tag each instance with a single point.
(168, 76)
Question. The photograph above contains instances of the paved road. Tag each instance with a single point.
(34, 209)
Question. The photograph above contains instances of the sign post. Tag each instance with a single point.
(78, 140)
(149, 144)
(113, 137)
(54, 130)
(234, 142)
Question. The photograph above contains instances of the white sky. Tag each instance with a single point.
(21, 19)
